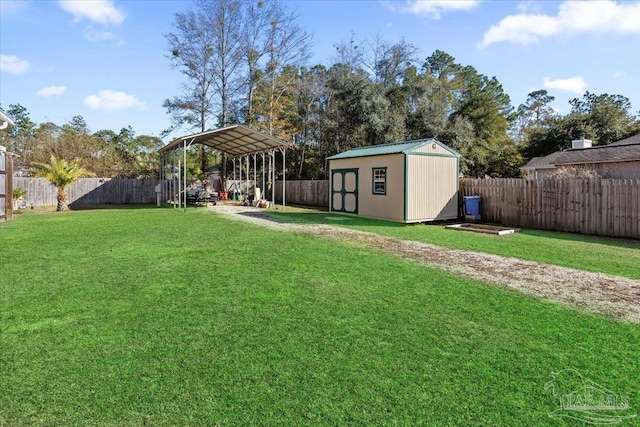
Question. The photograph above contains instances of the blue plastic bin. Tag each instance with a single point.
(472, 205)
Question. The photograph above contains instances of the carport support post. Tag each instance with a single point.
(164, 178)
(255, 174)
(172, 179)
(247, 178)
(172, 183)
(264, 195)
(283, 150)
(272, 170)
(177, 182)
(184, 152)
(234, 179)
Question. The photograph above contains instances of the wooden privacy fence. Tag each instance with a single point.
(90, 191)
(310, 192)
(604, 207)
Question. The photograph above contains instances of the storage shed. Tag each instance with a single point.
(413, 181)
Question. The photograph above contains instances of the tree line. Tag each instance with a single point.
(247, 62)
(104, 153)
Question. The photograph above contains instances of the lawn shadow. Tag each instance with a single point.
(103, 206)
(311, 215)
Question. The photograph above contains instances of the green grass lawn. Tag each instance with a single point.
(157, 317)
(599, 254)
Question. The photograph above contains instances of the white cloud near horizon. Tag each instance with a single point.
(98, 36)
(51, 90)
(109, 100)
(574, 17)
(432, 8)
(102, 12)
(574, 84)
(13, 65)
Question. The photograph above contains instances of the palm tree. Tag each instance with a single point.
(61, 174)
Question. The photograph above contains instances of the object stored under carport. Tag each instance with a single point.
(200, 196)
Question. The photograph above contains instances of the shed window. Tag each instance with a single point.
(379, 180)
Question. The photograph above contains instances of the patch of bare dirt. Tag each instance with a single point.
(601, 293)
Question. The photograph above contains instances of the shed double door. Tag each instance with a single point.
(344, 190)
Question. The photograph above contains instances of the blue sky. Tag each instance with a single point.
(105, 60)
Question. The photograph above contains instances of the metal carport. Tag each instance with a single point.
(236, 141)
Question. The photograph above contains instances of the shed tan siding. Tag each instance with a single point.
(388, 206)
(432, 188)
(433, 148)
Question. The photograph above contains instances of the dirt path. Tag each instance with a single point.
(601, 293)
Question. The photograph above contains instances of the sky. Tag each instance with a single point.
(106, 60)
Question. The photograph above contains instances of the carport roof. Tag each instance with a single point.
(236, 140)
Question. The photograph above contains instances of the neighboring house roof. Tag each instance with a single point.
(546, 162)
(392, 148)
(626, 150)
(602, 154)
(635, 139)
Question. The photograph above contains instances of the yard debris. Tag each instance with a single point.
(606, 294)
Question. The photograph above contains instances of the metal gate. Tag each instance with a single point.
(344, 190)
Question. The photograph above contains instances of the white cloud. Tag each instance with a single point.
(573, 84)
(98, 36)
(619, 74)
(13, 65)
(432, 8)
(101, 12)
(573, 17)
(109, 100)
(51, 90)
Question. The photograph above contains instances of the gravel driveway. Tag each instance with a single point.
(601, 293)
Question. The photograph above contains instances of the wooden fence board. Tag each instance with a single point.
(598, 207)
(90, 191)
(304, 192)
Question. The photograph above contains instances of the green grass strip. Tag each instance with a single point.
(618, 257)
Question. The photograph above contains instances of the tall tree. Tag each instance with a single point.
(207, 48)
(288, 49)
(533, 114)
(604, 118)
(484, 103)
(258, 18)
(20, 137)
(191, 52)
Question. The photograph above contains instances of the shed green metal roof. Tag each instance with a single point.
(405, 147)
